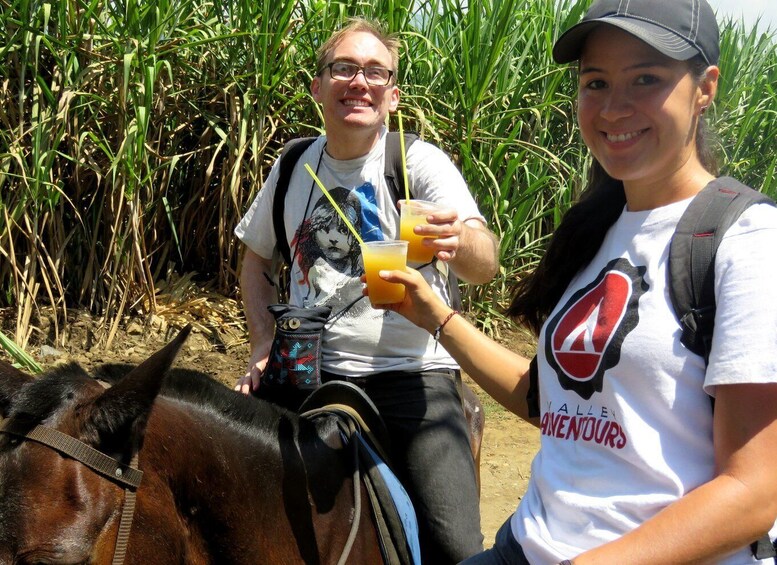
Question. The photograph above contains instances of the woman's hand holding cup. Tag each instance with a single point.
(420, 305)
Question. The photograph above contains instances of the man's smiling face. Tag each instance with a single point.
(353, 103)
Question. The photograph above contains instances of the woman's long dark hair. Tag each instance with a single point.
(582, 229)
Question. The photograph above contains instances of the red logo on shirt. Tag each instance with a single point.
(584, 339)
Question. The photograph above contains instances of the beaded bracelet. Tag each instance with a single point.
(438, 331)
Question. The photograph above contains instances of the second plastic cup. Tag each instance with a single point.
(384, 256)
(411, 214)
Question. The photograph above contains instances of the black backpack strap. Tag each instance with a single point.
(692, 272)
(290, 154)
(533, 394)
(692, 256)
(764, 548)
(395, 178)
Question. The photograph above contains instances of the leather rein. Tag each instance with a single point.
(127, 476)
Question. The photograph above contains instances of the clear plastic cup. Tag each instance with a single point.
(411, 214)
(384, 256)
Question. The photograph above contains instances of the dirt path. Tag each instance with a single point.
(509, 445)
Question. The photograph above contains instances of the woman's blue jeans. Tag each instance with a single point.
(506, 550)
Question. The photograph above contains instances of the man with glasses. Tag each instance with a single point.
(414, 383)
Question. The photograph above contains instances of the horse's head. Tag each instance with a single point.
(54, 509)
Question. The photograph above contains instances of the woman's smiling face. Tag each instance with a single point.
(637, 109)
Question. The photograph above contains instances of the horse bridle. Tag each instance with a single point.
(128, 476)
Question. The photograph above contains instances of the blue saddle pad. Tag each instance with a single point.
(401, 502)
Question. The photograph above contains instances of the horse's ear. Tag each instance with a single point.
(118, 417)
(11, 381)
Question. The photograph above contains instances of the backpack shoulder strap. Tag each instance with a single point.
(692, 256)
(290, 154)
(393, 163)
(533, 394)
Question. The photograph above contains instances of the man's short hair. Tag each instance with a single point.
(356, 25)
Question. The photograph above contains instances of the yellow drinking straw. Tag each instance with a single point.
(334, 204)
(404, 159)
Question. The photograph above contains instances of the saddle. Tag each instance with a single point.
(364, 429)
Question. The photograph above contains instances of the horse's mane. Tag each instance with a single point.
(41, 397)
(69, 383)
(200, 389)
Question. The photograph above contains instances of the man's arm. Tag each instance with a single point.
(469, 247)
(461, 236)
(258, 292)
(476, 259)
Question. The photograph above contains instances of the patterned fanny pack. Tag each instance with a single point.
(295, 355)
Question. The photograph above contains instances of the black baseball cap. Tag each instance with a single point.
(680, 29)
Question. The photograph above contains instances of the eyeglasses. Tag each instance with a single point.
(374, 76)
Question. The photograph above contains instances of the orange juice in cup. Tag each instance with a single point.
(384, 256)
(411, 214)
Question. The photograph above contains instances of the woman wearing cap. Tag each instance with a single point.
(635, 466)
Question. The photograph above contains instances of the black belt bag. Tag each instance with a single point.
(295, 355)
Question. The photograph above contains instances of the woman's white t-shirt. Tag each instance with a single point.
(626, 423)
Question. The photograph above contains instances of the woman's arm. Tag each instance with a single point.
(729, 512)
(501, 373)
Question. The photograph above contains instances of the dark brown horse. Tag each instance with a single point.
(226, 479)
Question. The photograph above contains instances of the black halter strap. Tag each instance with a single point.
(127, 476)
